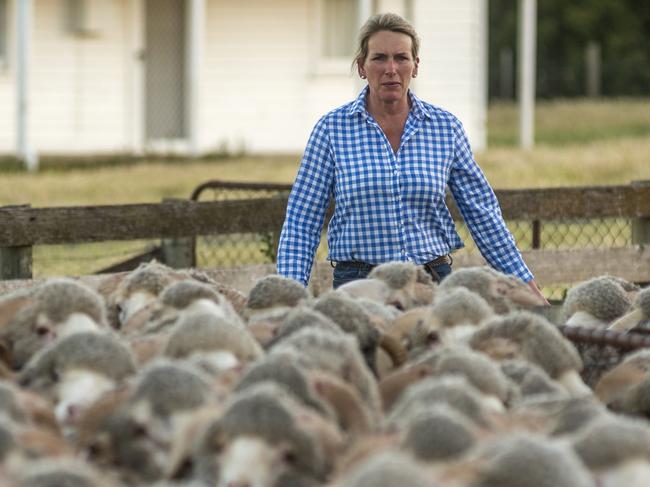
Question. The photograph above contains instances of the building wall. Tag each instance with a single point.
(262, 83)
(79, 82)
(7, 89)
(266, 97)
(453, 62)
(80, 94)
(261, 89)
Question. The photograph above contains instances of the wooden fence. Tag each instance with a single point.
(179, 222)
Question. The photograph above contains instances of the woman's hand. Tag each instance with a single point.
(533, 285)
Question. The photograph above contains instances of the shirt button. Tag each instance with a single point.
(403, 252)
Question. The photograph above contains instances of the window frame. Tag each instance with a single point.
(5, 12)
(330, 65)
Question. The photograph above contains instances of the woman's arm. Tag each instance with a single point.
(481, 211)
(307, 206)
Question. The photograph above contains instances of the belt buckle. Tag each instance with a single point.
(443, 259)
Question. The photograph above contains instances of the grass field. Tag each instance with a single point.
(578, 143)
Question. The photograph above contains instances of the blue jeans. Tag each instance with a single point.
(345, 272)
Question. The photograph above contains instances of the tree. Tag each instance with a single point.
(620, 27)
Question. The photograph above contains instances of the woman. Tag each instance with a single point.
(387, 158)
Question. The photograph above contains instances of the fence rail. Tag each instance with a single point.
(179, 222)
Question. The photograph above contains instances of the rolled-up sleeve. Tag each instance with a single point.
(307, 206)
(481, 211)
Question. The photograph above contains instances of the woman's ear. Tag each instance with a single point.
(415, 69)
(361, 71)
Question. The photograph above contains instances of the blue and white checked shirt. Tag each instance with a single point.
(391, 206)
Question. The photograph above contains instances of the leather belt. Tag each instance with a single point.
(443, 259)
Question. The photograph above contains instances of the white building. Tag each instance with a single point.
(203, 76)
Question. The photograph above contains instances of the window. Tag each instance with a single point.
(4, 34)
(339, 28)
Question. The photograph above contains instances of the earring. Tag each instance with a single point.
(363, 76)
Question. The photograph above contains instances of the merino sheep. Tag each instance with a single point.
(207, 332)
(335, 353)
(54, 309)
(274, 291)
(260, 439)
(387, 469)
(66, 472)
(282, 368)
(617, 450)
(439, 433)
(477, 368)
(78, 369)
(530, 461)
(531, 379)
(139, 289)
(640, 313)
(529, 336)
(595, 303)
(456, 313)
(455, 391)
(503, 292)
(352, 318)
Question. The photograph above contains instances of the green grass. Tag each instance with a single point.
(579, 142)
(564, 122)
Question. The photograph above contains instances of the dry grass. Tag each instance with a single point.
(560, 122)
(579, 143)
(616, 161)
(140, 183)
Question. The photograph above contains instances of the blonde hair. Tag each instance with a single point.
(380, 22)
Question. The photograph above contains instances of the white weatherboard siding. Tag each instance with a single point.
(261, 92)
(7, 91)
(253, 79)
(79, 83)
(7, 113)
(453, 61)
(262, 83)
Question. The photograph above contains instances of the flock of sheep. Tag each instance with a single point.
(167, 378)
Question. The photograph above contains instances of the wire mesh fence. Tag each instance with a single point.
(561, 234)
(241, 249)
(259, 247)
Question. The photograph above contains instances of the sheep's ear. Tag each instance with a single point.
(573, 383)
(10, 307)
(613, 383)
(6, 357)
(519, 294)
(628, 321)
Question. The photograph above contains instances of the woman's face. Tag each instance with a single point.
(389, 66)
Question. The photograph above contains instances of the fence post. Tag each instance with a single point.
(16, 262)
(641, 224)
(178, 253)
(537, 235)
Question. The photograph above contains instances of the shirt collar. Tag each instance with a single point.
(359, 105)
